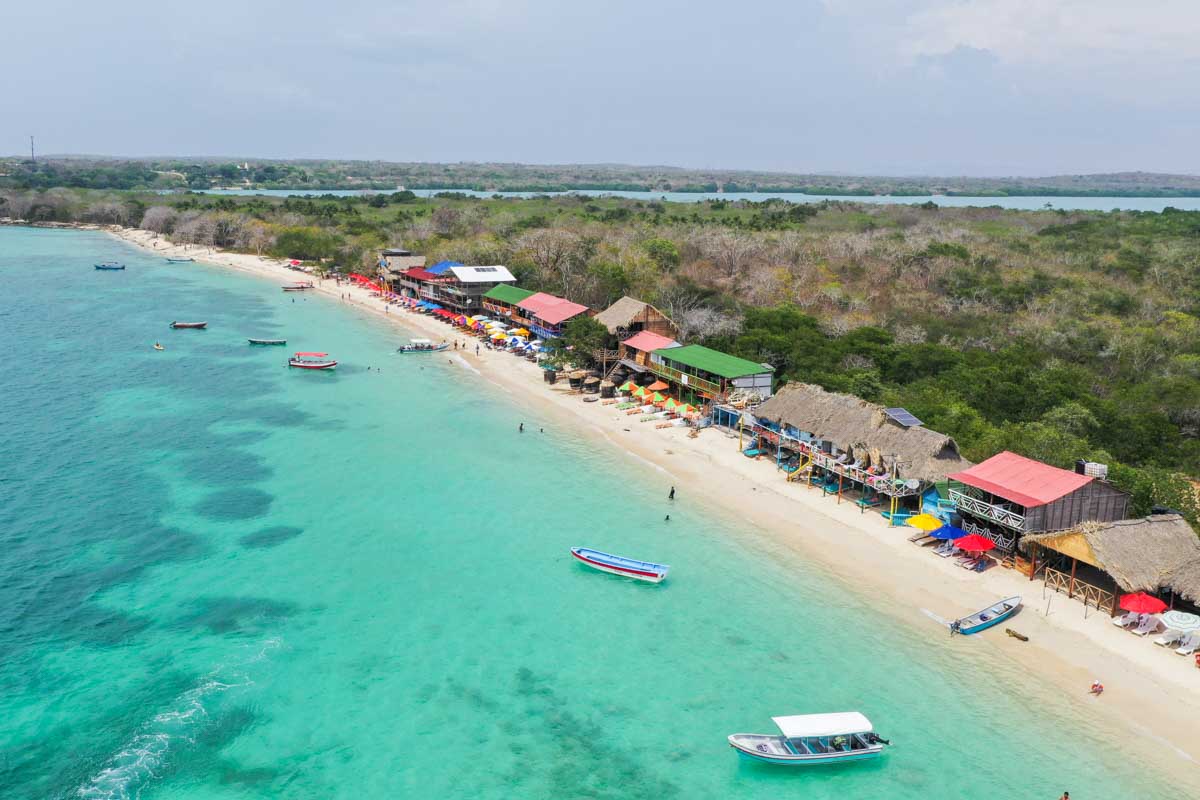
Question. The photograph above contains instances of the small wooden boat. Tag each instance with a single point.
(619, 565)
(199, 325)
(180, 260)
(267, 341)
(158, 346)
(422, 346)
(806, 739)
(109, 265)
(298, 287)
(982, 620)
(312, 361)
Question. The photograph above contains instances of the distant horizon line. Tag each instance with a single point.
(604, 164)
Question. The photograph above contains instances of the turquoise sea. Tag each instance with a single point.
(223, 579)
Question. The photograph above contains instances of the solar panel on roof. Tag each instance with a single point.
(901, 416)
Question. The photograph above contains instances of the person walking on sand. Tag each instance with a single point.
(476, 349)
(671, 496)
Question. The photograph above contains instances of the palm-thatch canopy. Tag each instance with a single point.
(854, 424)
(622, 315)
(1140, 555)
(1184, 579)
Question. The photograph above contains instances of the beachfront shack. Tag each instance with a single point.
(415, 282)
(394, 261)
(629, 315)
(1097, 562)
(545, 314)
(1009, 496)
(501, 300)
(710, 374)
(842, 442)
(462, 288)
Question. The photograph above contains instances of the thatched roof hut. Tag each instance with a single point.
(1184, 579)
(1140, 555)
(852, 424)
(631, 315)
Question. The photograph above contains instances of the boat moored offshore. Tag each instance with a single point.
(197, 325)
(422, 346)
(805, 739)
(299, 286)
(268, 341)
(619, 565)
(312, 361)
(109, 265)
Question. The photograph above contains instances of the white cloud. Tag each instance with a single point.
(1034, 31)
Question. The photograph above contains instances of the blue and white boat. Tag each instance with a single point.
(619, 565)
(982, 620)
(109, 265)
(805, 739)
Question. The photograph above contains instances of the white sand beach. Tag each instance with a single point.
(1152, 695)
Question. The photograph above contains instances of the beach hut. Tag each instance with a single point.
(1009, 496)
(884, 454)
(711, 373)
(629, 316)
(1099, 561)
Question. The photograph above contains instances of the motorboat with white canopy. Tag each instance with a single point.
(812, 739)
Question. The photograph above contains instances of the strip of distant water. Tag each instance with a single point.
(1018, 203)
(221, 578)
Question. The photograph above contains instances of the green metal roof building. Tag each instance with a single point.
(504, 293)
(711, 372)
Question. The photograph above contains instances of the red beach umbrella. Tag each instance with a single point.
(974, 543)
(1142, 603)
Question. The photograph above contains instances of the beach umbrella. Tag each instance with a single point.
(628, 386)
(948, 532)
(640, 391)
(657, 398)
(974, 543)
(658, 386)
(925, 522)
(1181, 621)
(671, 403)
(1142, 603)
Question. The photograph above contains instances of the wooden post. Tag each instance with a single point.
(839, 488)
(1033, 548)
(1116, 594)
(1071, 587)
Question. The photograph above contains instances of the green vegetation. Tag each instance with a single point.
(207, 173)
(1057, 335)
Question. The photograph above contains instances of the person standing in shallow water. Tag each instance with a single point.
(521, 428)
(671, 496)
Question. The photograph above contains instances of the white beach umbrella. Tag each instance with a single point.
(1181, 621)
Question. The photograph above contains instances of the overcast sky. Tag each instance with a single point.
(945, 87)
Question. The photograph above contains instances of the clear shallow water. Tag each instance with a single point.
(1020, 203)
(224, 579)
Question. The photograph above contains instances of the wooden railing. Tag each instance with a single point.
(1088, 594)
(996, 513)
(691, 381)
(884, 484)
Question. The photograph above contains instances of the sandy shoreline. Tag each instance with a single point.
(1151, 692)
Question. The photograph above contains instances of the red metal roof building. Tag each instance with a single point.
(1022, 495)
(547, 313)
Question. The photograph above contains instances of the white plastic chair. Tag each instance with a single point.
(1126, 620)
(1169, 639)
(1189, 645)
(1148, 625)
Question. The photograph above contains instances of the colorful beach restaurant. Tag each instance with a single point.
(448, 284)
(877, 457)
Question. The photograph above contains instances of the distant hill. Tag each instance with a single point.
(100, 172)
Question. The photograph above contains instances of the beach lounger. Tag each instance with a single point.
(1125, 620)
(1169, 639)
(1148, 625)
(1189, 645)
(924, 541)
(949, 551)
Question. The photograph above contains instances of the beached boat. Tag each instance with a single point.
(267, 341)
(180, 260)
(298, 287)
(109, 265)
(618, 565)
(422, 346)
(806, 739)
(982, 620)
(189, 325)
(312, 361)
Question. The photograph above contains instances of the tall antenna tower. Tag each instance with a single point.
(32, 159)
